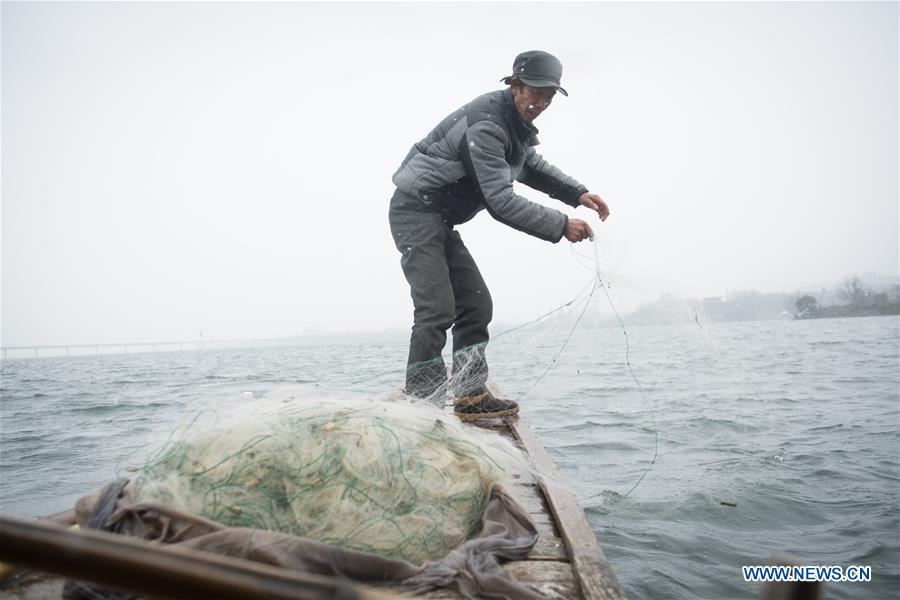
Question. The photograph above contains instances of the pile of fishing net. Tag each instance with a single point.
(391, 478)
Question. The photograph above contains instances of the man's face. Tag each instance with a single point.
(531, 101)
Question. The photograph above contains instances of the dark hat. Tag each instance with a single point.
(537, 69)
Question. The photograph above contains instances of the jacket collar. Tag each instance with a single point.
(525, 132)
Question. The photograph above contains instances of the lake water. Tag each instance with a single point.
(796, 423)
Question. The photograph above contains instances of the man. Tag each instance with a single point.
(467, 163)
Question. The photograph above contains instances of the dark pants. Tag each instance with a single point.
(447, 290)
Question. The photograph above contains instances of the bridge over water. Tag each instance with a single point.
(124, 347)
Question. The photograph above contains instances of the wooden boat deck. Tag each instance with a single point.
(566, 562)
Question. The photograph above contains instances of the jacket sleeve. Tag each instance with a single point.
(544, 177)
(482, 150)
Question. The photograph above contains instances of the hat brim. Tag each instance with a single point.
(538, 83)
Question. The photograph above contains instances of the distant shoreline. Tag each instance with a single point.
(847, 311)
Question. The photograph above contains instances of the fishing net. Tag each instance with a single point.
(390, 478)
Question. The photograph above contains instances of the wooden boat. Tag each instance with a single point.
(566, 563)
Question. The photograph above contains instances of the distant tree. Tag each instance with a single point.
(806, 305)
(852, 291)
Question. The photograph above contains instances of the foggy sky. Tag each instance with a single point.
(169, 168)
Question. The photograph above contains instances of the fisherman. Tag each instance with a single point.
(467, 163)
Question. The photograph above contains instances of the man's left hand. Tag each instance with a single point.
(595, 203)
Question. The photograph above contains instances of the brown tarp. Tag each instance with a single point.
(506, 533)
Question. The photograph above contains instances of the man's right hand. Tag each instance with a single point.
(577, 230)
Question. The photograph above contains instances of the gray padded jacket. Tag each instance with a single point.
(470, 160)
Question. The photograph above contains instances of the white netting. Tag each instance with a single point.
(391, 478)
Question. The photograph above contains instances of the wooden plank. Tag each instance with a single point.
(526, 478)
(594, 576)
(545, 519)
(550, 545)
(552, 579)
(530, 497)
(121, 562)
